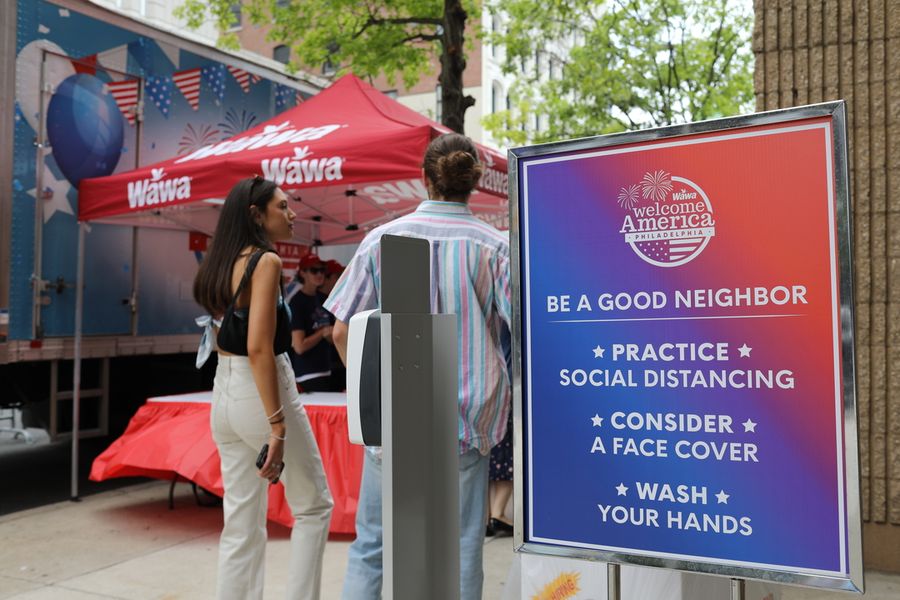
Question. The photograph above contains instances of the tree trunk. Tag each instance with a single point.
(453, 62)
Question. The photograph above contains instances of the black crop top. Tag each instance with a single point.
(232, 337)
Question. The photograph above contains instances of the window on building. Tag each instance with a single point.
(236, 11)
(282, 3)
(438, 103)
(496, 96)
(282, 54)
(495, 28)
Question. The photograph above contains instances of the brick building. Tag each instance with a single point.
(811, 51)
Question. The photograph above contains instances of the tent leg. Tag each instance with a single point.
(76, 367)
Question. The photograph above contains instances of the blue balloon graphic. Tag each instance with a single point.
(85, 128)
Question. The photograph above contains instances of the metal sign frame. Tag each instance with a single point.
(837, 113)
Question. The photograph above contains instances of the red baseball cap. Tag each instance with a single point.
(309, 261)
(332, 266)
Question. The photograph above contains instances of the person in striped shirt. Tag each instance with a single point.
(470, 277)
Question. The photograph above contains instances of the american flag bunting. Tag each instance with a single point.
(159, 90)
(188, 83)
(125, 93)
(214, 77)
(241, 76)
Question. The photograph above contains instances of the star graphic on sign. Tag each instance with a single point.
(54, 195)
(598, 352)
(722, 497)
(597, 420)
(749, 426)
(622, 489)
(745, 350)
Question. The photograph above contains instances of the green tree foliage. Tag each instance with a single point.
(615, 65)
(367, 37)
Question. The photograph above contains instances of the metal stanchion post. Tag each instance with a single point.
(613, 581)
(738, 590)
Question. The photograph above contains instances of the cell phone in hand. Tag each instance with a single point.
(261, 461)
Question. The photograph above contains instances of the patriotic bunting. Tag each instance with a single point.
(254, 78)
(188, 83)
(283, 95)
(86, 65)
(159, 90)
(214, 77)
(298, 98)
(125, 94)
(242, 77)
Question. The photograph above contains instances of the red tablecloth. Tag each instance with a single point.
(171, 435)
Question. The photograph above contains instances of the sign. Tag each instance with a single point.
(686, 340)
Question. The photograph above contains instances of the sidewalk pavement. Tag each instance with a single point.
(125, 544)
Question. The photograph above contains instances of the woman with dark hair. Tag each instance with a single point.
(470, 277)
(255, 403)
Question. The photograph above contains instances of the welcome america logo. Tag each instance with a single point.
(668, 221)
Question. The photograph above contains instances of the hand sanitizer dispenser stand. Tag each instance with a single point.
(418, 429)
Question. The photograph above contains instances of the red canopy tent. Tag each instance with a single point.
(351, 155)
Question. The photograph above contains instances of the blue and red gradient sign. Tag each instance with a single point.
(682, 379)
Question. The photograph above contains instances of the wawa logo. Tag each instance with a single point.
(300, 168)
(492, 180)
(269, 137)
(156, 190)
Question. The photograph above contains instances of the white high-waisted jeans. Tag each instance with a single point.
(240, 428)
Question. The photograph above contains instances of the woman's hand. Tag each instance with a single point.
(271, 470)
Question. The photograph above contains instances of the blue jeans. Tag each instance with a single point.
(364, 569)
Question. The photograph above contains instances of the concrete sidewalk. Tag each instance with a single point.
(126, 544)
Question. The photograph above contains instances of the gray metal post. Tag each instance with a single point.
(738, 589)
(420, 463)
(76, 363)
(613, 581)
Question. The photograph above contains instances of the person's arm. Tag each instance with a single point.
(304, 343)
(339, 336)
(260, 341)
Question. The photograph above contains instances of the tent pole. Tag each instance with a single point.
(76, 366)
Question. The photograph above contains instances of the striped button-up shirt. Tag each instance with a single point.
(469, 277)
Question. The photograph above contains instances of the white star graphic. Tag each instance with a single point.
(622, 489)
(54, 195)
(598, 352)
(722, 497)
(597, 420)
(749, 426)
(745, 350)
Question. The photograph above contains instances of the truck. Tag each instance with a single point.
(86, 91)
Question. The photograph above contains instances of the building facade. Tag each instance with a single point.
(811, 51)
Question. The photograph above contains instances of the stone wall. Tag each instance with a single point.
(811, 51)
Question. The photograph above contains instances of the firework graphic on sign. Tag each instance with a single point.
(194, 138)
(656, 185)
(236, 122)
(628, 197)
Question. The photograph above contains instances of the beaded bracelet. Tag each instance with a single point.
(282, 438)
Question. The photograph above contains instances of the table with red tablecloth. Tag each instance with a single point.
(170, 436)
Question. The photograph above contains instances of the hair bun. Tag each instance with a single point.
(451, 164)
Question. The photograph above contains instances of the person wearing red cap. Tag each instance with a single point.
(333, 270)
(311, 328)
